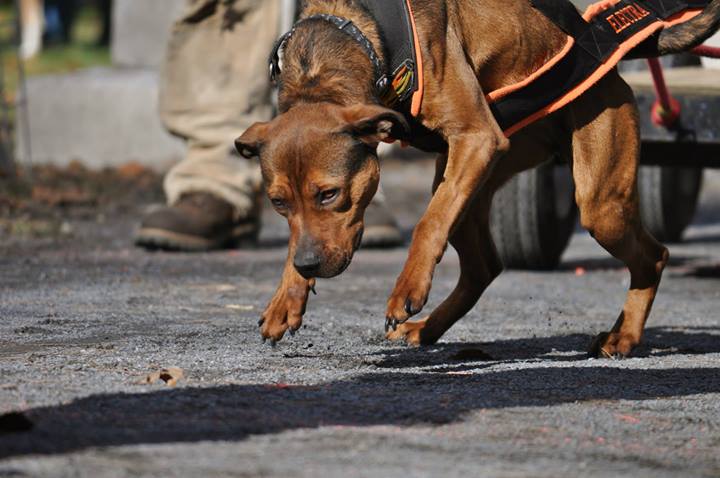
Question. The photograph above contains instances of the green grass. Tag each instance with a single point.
(82, 52)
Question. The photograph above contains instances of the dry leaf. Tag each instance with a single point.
(239, 307)
(170, 376)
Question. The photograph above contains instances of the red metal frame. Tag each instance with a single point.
(666, 109)
(706, 50)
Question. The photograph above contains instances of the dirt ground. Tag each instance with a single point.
(509, 391)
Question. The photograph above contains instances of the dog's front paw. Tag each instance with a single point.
(284, 312)
(408, 298)
(409, 332)
(612, 345)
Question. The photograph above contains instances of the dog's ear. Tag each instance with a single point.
(372, 124)
(248, 145)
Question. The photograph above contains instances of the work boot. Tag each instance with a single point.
(197, 222)
(381, 228)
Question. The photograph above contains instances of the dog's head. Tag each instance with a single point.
(319, 163)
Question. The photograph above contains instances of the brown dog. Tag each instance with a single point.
(320, 166)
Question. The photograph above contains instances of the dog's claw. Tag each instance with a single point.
(312, 289)
(292, 332)
(264, 339)
(409, 308)
(273, 343)
(261, 322)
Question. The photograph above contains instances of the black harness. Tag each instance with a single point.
(595, 43)
(626, 28)
(396, 78)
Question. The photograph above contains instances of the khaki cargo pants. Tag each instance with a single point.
(214, 85)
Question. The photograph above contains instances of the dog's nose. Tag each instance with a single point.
(307, 263)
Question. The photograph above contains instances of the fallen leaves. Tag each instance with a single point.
(56, 197)
(170, 376)
(76, 190)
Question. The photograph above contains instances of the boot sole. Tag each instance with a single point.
(376, 237)
(244, 235)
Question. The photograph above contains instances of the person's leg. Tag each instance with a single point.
(214, 85)
(68, 11)
(32, 23)
(59, 19)
(105, 10)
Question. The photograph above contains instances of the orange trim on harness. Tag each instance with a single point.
(417, 97)
(589, 14)
(500, 93)
(608, 65)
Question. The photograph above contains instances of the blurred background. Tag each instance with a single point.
(80, 133)
(81, 139)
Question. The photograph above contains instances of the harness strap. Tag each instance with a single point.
(344, 25)
(612, 30)
(396, 27)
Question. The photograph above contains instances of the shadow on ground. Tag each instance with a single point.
(610, 263)
(704, 272)
(235, 412)
(461, 356)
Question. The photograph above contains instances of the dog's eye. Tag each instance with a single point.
(279, 203)
(328, 196)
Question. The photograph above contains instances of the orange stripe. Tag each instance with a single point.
(599, 7)
(500, 93)
(418, 95)
(605, 67)
(589, 14)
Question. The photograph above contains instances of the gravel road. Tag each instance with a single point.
(509, 391)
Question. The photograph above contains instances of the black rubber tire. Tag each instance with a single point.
(668, 199)
(533, 217)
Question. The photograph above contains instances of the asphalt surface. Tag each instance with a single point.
(509, 391)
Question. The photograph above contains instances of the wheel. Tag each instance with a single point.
(533, 217)
(668, 199)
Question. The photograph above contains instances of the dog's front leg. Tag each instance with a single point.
(471, 155)
(286, 308)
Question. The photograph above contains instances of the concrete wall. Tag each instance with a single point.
(108, 116)
(141, 29)
(712, 62)
(101, 117)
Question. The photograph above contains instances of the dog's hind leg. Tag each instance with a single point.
(606, 148)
